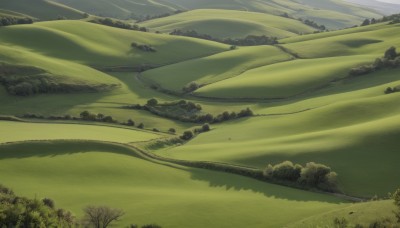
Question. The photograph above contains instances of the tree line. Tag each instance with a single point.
(250, 40)
(8, 20)
(394, 19)
(390, 59)
(188, 112)
(118, 24)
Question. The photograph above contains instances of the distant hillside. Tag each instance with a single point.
(382, 7)
(229, 24)
(41, 9)
(332, 13)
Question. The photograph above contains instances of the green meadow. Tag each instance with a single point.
(306, 108)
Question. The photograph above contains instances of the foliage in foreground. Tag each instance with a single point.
(18, 211)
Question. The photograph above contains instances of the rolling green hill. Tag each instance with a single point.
(76, 174)
(229, 24)
(41, 9)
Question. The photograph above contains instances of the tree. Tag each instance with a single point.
(366, 22)
(101, 216)
(141, 126)
(108, 119)
(172, 130)
(192, 86)
(314, 174)
(389, 90)
(84, 115)
(205, 128)
(391, 53)
(152, 102)
(100, 116)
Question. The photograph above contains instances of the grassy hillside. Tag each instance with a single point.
(41, 9)
(79, 174)
(229, 24)
(8, 13)
(216, 67)
(104, 46)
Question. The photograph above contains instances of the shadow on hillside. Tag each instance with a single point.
(232, 182)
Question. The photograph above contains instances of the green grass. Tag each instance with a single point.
(8, 13)
(41, 9)
(229, 24)
(79, 174)
(18, 131)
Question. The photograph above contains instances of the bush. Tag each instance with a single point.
(191, 87)
(130, 122)
(187, 135)
(141, 126)
(318, 175)
(151, 226)
(205, 128)
(390, 53)
(283, 171)
(152, 102)
(172, 130)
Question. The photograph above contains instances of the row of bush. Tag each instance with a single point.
(118, 24)
(99, 117)
(151, 17)
(311, 175)
(391, 59)
(143, 47)
(250, 40)
(188, 112)
(6, 21)
(188, 135)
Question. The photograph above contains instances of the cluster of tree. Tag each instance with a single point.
(391, 59)
(149, 17)
(250, 40)
(118, 24)
(188, 135)
(5, 21)
(16, 211)
(394, 19)
(312, 175)
(313, 24)
(143, 47)
(188, 112)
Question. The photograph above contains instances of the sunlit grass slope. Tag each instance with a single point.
(283, 80)
(41, 9)
(80, 174)
(229, 24)
(99, 45)
(362, 213)
(216, 67)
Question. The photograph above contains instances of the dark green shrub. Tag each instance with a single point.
(152, 102)
(187, 135)
(130, 122)
(205, 128)
(172, 130)
(141, 126)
